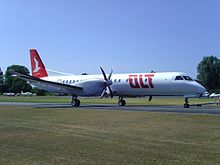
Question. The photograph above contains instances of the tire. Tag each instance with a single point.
(121, 102)
(186, 105)
(75, 103)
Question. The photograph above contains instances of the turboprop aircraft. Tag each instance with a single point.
(121, 85)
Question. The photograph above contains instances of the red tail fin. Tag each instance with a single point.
(37, 66)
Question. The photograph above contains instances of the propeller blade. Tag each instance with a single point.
(110, 74)
(103, 94)
(103, 73)
(107, 83)
(110, 90)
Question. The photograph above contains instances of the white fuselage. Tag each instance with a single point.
(129, 85)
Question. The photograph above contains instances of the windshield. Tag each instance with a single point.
(183, 78)
(187, 78)
(179, 78)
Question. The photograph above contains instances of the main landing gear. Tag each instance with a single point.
(121, 101)
(186, 105)
(75, 102)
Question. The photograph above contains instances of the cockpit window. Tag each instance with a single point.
(187, 78)
(179, 78)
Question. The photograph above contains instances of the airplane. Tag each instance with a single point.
(26, 94)
(214, 95)
(10, 94)
(110, 85)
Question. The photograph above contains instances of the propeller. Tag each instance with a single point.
(108, 83)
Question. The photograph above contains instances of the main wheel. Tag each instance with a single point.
(75, 103)
(186, 105)
(121, 102)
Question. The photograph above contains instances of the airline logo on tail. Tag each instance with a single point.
(37, 66)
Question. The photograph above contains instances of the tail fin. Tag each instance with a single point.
(37, 66)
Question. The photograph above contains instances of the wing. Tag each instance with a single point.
(49, 84)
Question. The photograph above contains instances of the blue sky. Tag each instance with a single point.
(78, 36)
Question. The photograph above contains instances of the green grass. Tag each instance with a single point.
(130, 101)
(63, 136)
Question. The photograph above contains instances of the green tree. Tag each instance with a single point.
(1, 77)
(209, 72)
(3, 86)
(15, 84)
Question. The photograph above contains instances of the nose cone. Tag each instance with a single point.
(198, 88)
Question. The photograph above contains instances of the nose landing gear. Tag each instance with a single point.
(186, 105)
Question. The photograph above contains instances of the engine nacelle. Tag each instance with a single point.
(93, 87)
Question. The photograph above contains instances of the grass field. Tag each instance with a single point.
(63, 136)
(134, 101)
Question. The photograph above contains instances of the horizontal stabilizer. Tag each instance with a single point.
(57, 73)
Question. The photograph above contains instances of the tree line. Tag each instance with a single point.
(16, 85)
(208, 71)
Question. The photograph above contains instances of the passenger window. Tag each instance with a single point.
(179, 78)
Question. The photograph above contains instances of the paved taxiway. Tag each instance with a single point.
(142, 108)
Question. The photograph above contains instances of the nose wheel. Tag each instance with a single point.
(186, 105)
(75, 102)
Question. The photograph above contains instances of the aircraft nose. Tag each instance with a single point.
(195, 88)
(200, 89)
